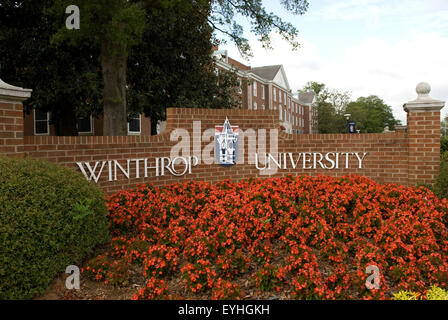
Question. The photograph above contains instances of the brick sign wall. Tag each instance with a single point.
(404, 157)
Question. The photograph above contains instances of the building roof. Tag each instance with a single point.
(267, 72)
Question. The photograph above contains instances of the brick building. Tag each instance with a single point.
(267, 88)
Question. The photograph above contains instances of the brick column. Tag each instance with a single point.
(11, 119)
(423, 127)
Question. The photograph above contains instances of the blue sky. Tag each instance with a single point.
(365, 47)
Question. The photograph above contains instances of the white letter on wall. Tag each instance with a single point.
(73, 20)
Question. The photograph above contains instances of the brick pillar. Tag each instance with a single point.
(423, 127)
(11, 119)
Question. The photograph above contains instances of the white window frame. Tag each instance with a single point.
(275, 93)
(86, 132)
(48, 125)
(281, 112)
(255, 106)
(263, 107)
(262, 91)
(135, 133)
(240, 85)
(255, 88)
(279, 96)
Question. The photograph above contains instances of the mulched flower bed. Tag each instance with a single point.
(288, 238)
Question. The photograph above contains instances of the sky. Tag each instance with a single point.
(366, 47)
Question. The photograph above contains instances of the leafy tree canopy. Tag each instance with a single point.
(263, 23)
(331, 104)
(65, 80)
(68, 69)
(371, 114)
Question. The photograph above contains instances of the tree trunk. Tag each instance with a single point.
(65, 124)
(113, 63)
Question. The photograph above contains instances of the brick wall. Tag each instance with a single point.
(404, 157)
(424, 145)
(11, 128)
(386, 160)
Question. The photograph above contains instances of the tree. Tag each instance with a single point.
(117, 25)
(338, 99)
(444, 127)
(180, 73)
(371, 114)
(331, 105)
(263, 23)
(72, 61)
(114, 26)
(64, 82)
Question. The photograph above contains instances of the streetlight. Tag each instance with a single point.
(347, 116)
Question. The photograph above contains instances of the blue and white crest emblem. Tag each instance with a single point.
(226, 144)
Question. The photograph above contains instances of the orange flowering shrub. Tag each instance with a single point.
(310, 236)
(226, 290)
(155, 289)
(113, 272)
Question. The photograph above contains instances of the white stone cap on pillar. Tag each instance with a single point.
(9, 92)
(423, 102)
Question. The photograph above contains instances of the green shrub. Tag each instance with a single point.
(441, 184)
(444, 144)
(405, 295)
(50, 217)
(434, 293)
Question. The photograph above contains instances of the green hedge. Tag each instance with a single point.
(50, 217)
(444, 144)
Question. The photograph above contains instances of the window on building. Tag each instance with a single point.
(255, 88)
(281, 112)
(135, 124)
(240, 86)
(263, 107)
(262, 91)
(41, 122)
(84, 125)
(275, 93)
(280, 97)
(255, 106)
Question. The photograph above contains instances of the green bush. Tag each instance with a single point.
(50, 217)
(444, 144)
(441, 184)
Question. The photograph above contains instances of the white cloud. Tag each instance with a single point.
(373, 66)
